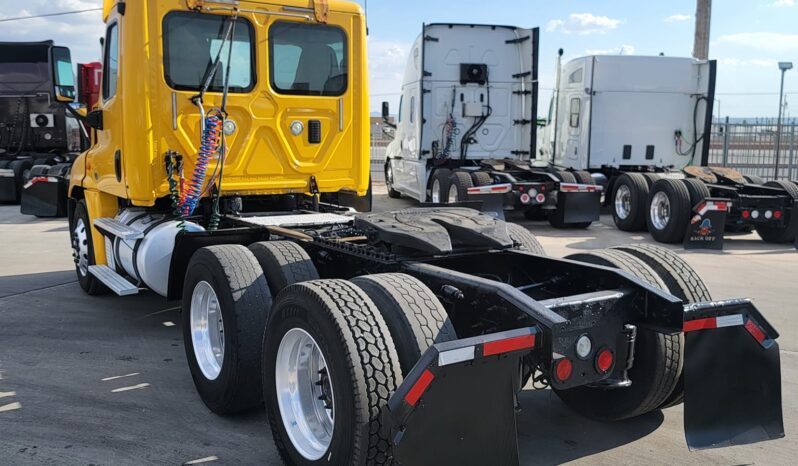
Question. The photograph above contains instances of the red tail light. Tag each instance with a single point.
(746, 214)
(777, 214)
(604, 361)
(563, 369)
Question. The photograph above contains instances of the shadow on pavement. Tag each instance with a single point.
(550, 433)
(18, 284)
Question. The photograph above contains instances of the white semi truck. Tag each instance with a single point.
(641, 125)
(467, 118)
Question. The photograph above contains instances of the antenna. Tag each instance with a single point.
(367, 17)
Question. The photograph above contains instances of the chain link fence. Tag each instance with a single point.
(750, 148)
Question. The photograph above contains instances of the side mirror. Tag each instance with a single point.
(63, 77)
(95, 120)
(386, 115)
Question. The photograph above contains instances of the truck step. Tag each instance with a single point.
(117, 283)
(116, 228)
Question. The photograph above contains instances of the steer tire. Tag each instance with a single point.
(682, 281)
(461, 181)
(789, 233)
(244, 300)
(284, 263)
(481, 179)
(80, 226)
(638, 192)
(698, 191)
(441, 176)
(389, 181)
(657, 360)
(678, 198)
(361, 362)
(524, 239)
(415, 317)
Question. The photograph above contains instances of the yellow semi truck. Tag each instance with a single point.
(228, 148)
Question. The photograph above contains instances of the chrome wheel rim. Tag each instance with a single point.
(80, 247)
(453, 194)
(660, 211)
(389, 176)
(207, 330)
(436, 191)
(623, 202)
(305, 394)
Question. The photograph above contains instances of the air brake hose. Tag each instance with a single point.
(209, 146)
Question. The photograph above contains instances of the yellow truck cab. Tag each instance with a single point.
(228, 147)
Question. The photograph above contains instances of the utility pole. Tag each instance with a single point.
(784, 66)
(703, 16)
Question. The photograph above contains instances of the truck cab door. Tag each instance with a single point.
(573, 129)
(104, 159)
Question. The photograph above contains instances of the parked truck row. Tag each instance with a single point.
(393, 337)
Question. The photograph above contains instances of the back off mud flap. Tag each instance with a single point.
(732, 376)
(457, 405)
(707, 226)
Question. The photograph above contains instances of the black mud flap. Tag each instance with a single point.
(707, 226)
(491, 198)
(45, 196)
(457, 405)
(732, 377)
(8, 186)
(578, 206)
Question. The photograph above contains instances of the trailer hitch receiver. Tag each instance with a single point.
(732, 376)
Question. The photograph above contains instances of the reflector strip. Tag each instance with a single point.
(418, 389)
(454, 356)
(510, 344)
(580, 188)
(713, 322)
(41, 179)
(713, 206)
(492, 189)
(755, 331)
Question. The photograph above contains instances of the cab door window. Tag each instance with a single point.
(308, 59)
(111, 59)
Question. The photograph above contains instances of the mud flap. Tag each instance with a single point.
(44, 196)
(457, 405)
(8, 185)
(732, 376)
(578, 203)
(707, 225)
(491, 198)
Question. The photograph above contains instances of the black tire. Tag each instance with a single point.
(683, 282)
(81, 224)
(565, 177)
(535, 214)
(679, 208)
(4, 163)
(481, 179)
(652, 178)
(442, 177)
(60, 170)
(37, 170)
(698, 191)
(781, 235)
(524, 239)
(283, 263)
(21, 169)
(754, 179)
(415, 317)
(392, 193)
(657, 364)
(584, 177)
(461, 181)
(363, 366)
(244, 301)
(637, 188)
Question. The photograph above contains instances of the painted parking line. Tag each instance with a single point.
(132, 387)
(7, 394)
(207, 459)
(119, 377)
(10, 407)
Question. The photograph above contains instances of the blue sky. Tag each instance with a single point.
(748, 37)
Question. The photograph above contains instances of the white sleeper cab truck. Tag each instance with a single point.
(641, 125)
(466, 125)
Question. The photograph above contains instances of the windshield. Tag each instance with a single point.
(191, 44)
(307, 59)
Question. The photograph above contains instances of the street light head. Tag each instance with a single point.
(785, 65)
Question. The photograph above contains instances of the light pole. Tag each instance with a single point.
(783, 66)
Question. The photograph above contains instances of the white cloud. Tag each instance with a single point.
(386, 70)
(678, 18)
(583, 24)
(622, 50)
(767, 41)
(778, 3)
(753, 62)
